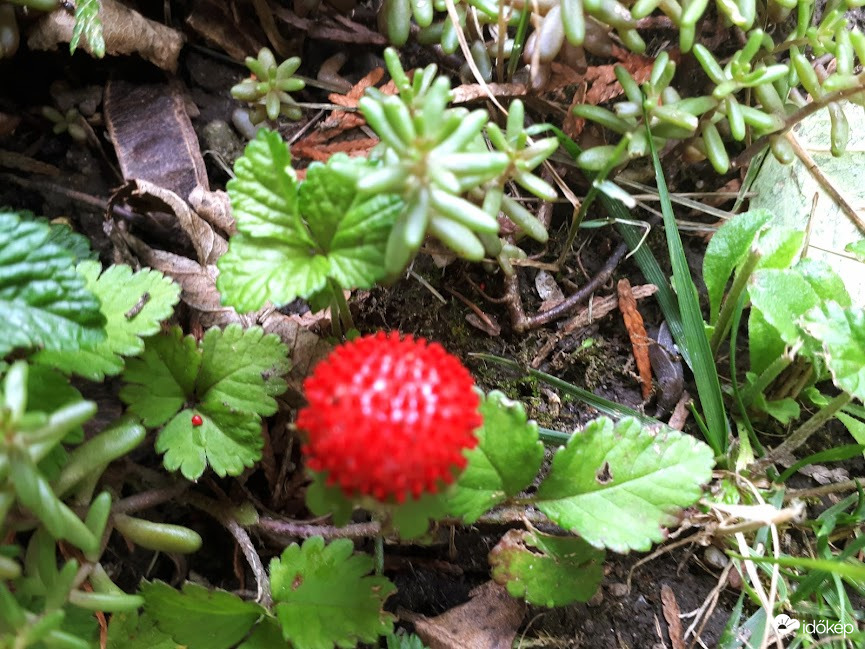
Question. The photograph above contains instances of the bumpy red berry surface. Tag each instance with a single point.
(197, 420)
(389, 417)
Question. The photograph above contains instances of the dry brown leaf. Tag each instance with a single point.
(125, 31)
(213, 21)
(671, 614)
(488, 621)
(637, 332)
(214, 207)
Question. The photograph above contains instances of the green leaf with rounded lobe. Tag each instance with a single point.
(841, 332)
(827, 284)
(412, 518)
(727, 249)
(43, 300)
(264, 191)
(259, 270)
(197, 617)
(617, 486)
(547, 570)
(327, 194)
(133, 305)
(159, 381)
(133, 631)
(227, 441)
(505, 461)
(325, 596)
(242, 369)
(265, 635)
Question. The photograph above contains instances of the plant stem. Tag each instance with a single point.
(722, 326)
(379, 555)
(801, 434)
(766, 377)
(340, 313)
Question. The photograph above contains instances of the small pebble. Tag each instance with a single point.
(618, 589)
(715, 557)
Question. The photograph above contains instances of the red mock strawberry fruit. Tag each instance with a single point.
(197, 420)
(389, 417)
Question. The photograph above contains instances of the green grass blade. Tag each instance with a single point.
(696, 342)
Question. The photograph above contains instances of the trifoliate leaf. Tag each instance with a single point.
(325, 596)
(88, 25)
(505, 461)
(227, 441)
(133, 631)
(229, 382)
(547, 570)
(727, 249)
(133, 305)
(841, 332)
(43, 300)
(618, 486)
(292, 241)
(160, 379)
(242, 369)
(197, 617)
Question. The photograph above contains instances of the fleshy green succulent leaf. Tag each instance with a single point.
(197, 617)
(88, 25)
(505, 461)
(547, 570)
(159, 381)
(43, 299)
(841, 332)
(241, 370)
(133, 305)
(617, 486)
(727, 250)
(325, 596)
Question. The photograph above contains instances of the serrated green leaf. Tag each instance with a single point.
(325, 596)
(43, 300)
(505, 461)
(410, 641)
(841, 332)
(322, 500)
(227, 441)
(241, 369)
(325, 232)
(726, 251)
(133, 305)
(618, 486)
(547, 570)
(159, 380)
(197, 617)
(230, 382)
(73, 241)
(134, 631)
(411, 519)
(827, 284)
(265, 635)
(88, 25)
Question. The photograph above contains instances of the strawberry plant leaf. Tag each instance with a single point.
(727, 249)
(265, 635)
(88, 25)
(242, 369)
(505, 461)
(294, 238)
(197, 617)
(133, 305)
(411, 641)
(160, 379)
(129, 630)
(75, 242)
(323, 499)
(43, 299)
(547, 570)
(227, 441)
(617, 486)
(224, 387)
(325, 595)
(412, 518)
(841, 333)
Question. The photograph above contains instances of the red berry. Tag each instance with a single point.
(197, 420)
(389, 417)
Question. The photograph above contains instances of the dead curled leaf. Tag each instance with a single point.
(637, 332)
(125, 31)
(487, 621)
(671, 615)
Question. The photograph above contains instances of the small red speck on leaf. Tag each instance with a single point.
(197, 420)
(389, 417)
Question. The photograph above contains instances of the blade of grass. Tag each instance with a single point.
(696, 342)
(611, 408)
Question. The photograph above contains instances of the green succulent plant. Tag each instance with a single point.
(267, 89)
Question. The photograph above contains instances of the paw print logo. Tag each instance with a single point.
(785, 625)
